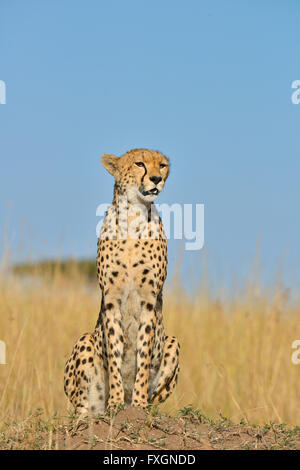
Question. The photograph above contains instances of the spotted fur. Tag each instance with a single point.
(128, 358)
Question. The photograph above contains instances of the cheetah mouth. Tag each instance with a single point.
(151, 192)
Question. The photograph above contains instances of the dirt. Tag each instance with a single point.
(136, 429)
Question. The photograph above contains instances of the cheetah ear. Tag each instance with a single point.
(110, 163)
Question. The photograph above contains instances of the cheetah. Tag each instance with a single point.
(128, 359)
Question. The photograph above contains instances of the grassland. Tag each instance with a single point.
(235, 354)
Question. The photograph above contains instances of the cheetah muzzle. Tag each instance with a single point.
(128, 359)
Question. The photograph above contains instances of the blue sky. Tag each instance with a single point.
(206, 82)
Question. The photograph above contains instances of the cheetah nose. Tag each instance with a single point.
(155, 179)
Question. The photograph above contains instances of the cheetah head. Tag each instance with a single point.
(140, 174)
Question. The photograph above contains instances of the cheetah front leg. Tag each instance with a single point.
(145, 342)
(167, 375)
(114, 345)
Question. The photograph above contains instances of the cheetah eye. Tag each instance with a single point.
(162, 165)
(139, 164)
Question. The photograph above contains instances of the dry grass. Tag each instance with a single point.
(235, 355)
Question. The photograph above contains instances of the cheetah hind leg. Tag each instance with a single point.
(85, 379)
(167, 376)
